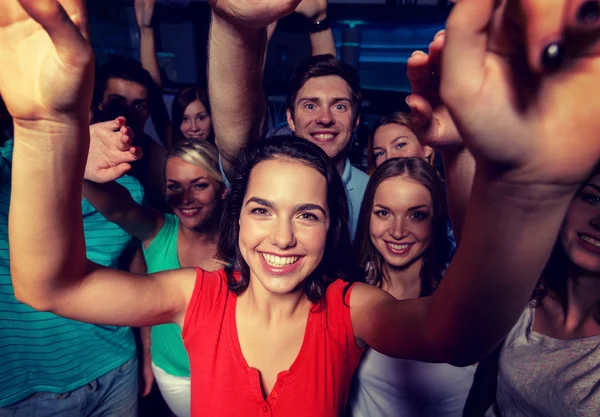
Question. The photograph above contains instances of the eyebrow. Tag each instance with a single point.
(299, 207)
(594, 186)
(335, 100)
(194, 180)
(409, 209)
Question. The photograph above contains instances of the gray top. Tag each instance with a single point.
(542, 376)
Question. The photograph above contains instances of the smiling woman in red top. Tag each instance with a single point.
(277, 332)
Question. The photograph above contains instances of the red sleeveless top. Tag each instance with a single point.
(223, 384)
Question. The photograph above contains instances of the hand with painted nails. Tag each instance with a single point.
(111, 151)
(432, 121)
(253, 13)
(525, 115)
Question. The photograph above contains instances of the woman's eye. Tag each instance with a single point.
(401, 145)
(308, 216)
(381, 213)
(260, 211)
(200, 186)
(591, 199)
(419, 215)
(379, 153)
(173, 187)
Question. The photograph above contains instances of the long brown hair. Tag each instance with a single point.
(399, 118)
(435, 256)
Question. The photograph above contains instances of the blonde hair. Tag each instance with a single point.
(200, 153)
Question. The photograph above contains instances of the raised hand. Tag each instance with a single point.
(518, 109)
(253, 13)
(45, 60)
(434, 125)
(313, 10)
(144, 10)
(111, 151)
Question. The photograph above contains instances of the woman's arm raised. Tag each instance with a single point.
(513, 115)
(46, 80)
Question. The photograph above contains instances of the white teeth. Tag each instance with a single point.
(273, 260)
(591, 240)
(190, 211)
(398, 247)
(324, 136)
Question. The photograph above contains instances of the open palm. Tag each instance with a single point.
(543, 126)
(44, 77)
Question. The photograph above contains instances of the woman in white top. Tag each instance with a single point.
(401, 242)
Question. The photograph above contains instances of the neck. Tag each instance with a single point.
(583, 298)
(273, 307)
(403, 283)
(202, 235)
(340, 163)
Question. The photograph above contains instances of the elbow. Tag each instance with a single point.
(34, 299)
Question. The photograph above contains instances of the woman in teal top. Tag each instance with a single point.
(187, 238)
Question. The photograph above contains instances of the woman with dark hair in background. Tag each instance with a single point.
(191, 115)
(401, 245)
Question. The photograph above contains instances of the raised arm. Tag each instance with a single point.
(524, 181)
(144, 10)
(321, 40)
(236, 52)
(46, 81)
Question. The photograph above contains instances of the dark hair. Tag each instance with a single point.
(125, 69)
(335, 263)
(323, 66)
(184, 98)
(435, 257)
(399, 118)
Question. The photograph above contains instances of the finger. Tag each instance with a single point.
(421, 115)
(464, 53)
(544, 25)
(69, 42)
(114, 173)
(435, 51)
(418, 73)
(136, 152)
(127, 131)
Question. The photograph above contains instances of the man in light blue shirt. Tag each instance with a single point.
(323, 107)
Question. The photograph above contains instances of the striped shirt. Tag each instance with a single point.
(41, 352)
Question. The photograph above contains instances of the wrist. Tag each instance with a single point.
(320, 24)
(317, 18)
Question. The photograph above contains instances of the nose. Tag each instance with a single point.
(326, 117)
(188, 197)
(195, 125)
(398, 230)
(282, 235)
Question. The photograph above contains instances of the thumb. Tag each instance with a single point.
(421, 115)
(114, 173)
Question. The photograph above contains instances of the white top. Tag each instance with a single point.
(389, 387)
(542, 376)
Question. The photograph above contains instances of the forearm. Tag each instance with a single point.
(115, 204)
(45, 221)
(235, 67)
(148, 54)
(508, 235)
(459, 169)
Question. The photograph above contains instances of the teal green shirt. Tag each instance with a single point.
(168, 352)
(42, 352)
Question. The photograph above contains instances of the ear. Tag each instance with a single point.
(224, 193)
(357, 122)
(290, 120)
(428, 151)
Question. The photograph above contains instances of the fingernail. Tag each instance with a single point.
(417, 53)
(589, 12)
(440, 33)
(407, 101)
(121, 120)
(553, 56)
